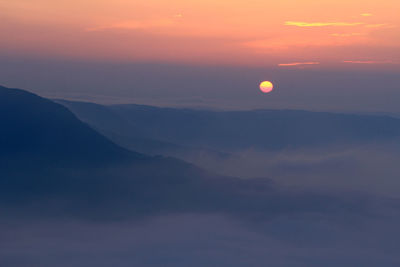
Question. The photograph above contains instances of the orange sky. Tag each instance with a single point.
(284, 33)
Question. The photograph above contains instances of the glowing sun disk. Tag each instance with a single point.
(266, 86)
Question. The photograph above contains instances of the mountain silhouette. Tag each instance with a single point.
(172, 129)
(35, 128)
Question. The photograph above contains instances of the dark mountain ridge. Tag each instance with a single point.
(35, 128)
(268, 129)
(167, 130)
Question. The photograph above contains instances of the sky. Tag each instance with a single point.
(222, 49)
(321, 207)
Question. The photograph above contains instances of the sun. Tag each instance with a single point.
(266, 86)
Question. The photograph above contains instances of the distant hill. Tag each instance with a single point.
(169, 129)
(118, 128)
(35, 128)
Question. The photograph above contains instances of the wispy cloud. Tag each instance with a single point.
(368, 62)
(379, 25)
(321, 24)
(347, 34)
(293, 64)
(336, 24)
(366, 15)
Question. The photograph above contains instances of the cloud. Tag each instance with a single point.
(321, 24)
(379, 25)
(368, 62)
(298, 64)
(366, 15)
(347, 34)
(334, 24)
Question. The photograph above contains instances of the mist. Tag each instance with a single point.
(369, 168)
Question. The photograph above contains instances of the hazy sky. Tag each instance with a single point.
(331, 55)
